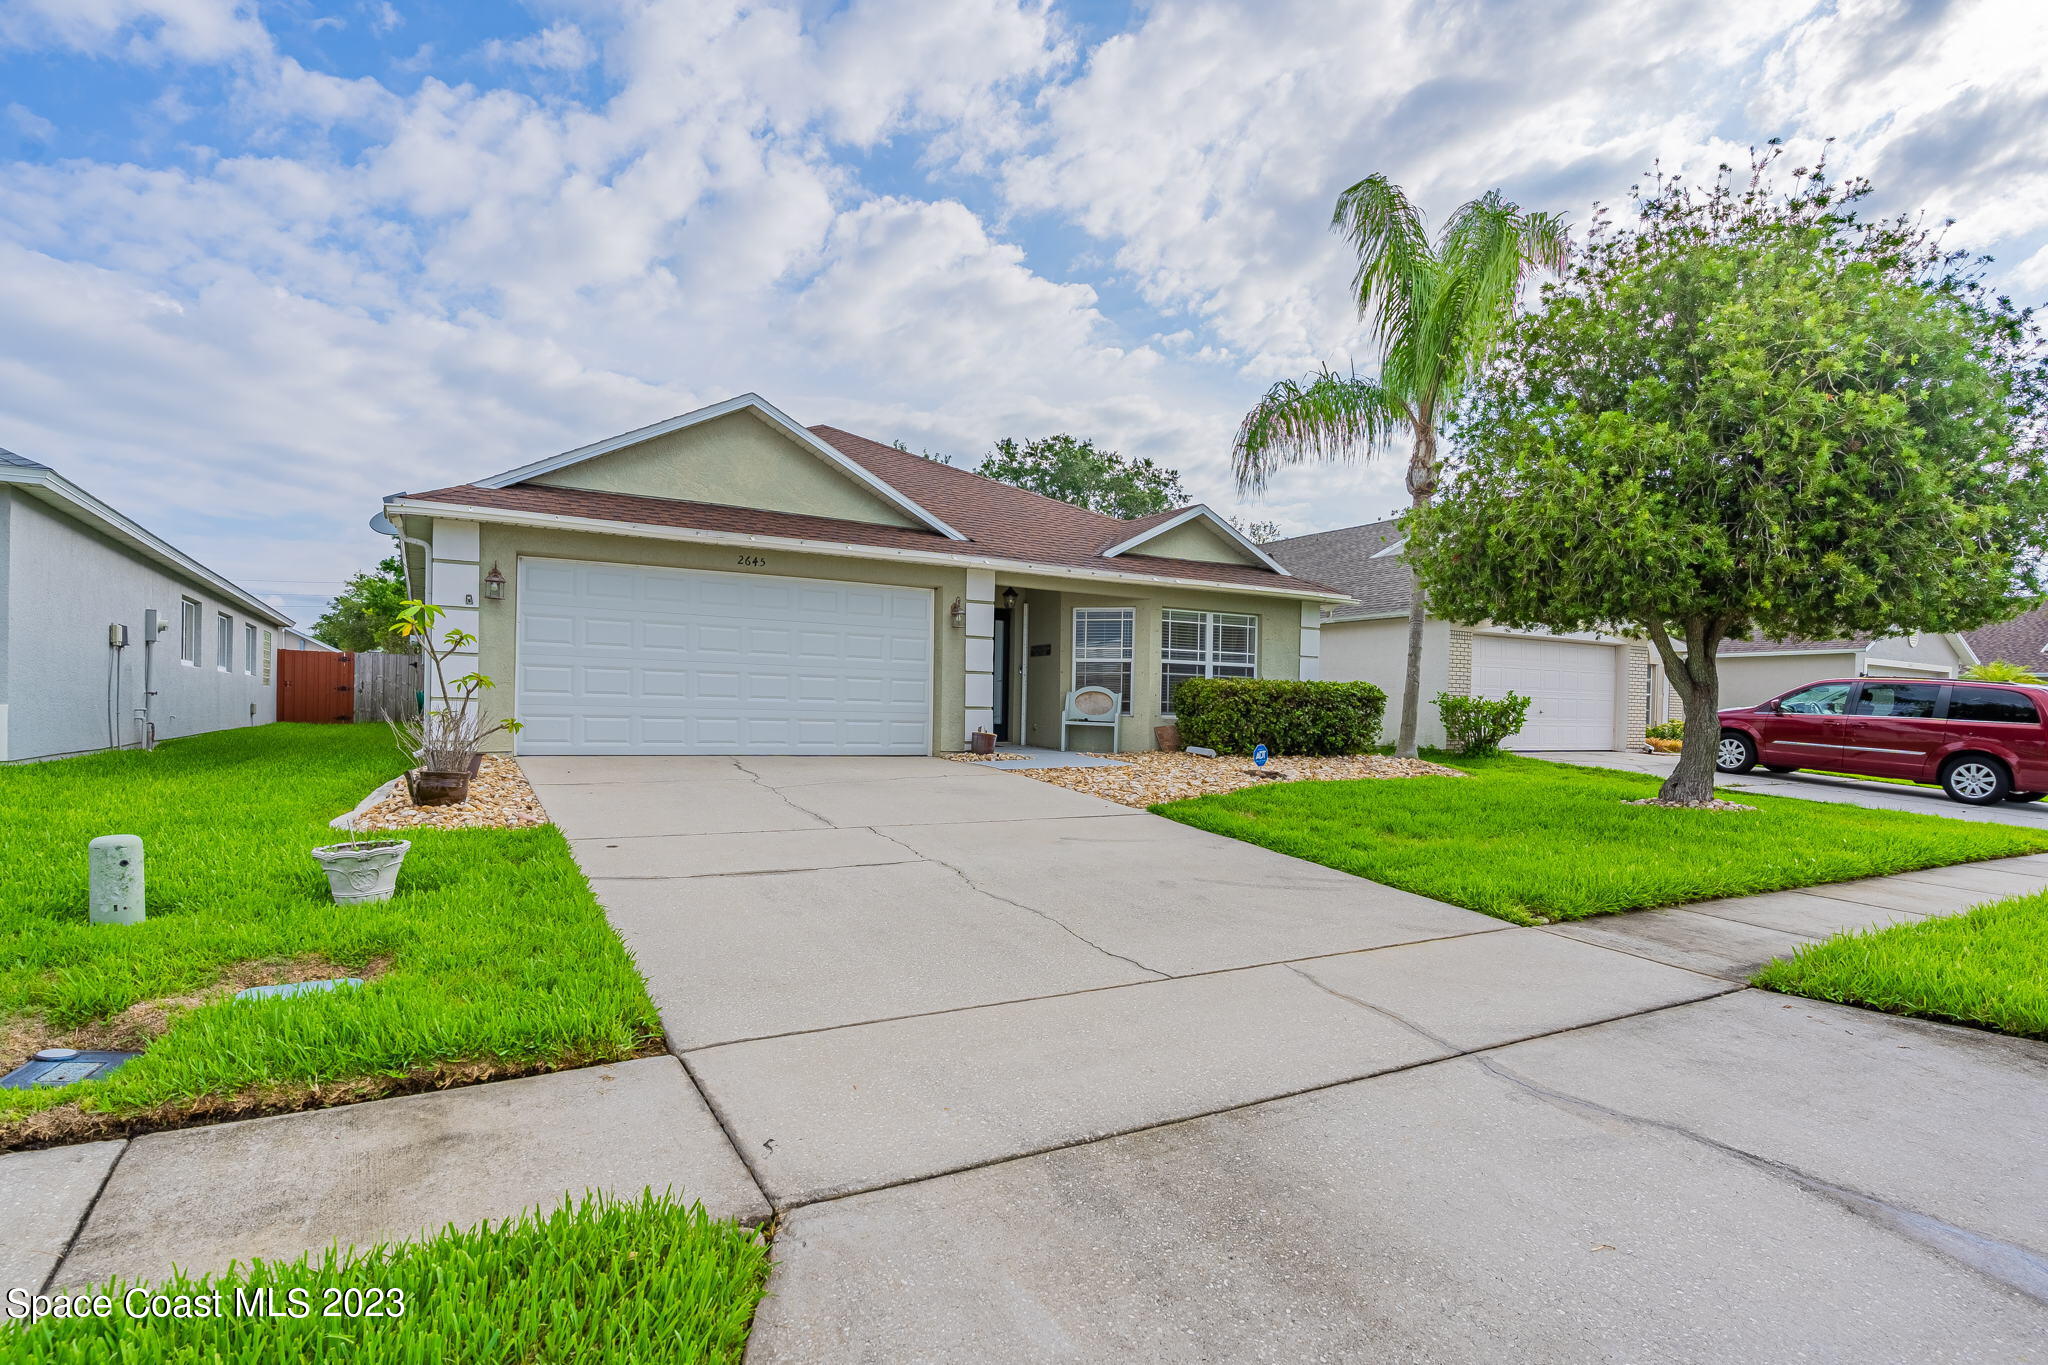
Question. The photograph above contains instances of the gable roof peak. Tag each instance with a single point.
(746, 402)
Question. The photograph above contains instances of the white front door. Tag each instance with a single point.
(1570, 687)
(633, 659)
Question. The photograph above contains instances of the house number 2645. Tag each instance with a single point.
(752, 562)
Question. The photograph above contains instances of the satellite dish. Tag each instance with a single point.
(381, 524)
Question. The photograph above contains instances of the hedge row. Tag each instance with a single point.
(1232, 715)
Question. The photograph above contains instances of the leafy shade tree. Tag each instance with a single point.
(1076, 471)
(1749, 414)
(365, 613)
(1435, 310)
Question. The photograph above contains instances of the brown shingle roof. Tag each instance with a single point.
(1351, 559)
(2021, 640)
(1000, 520)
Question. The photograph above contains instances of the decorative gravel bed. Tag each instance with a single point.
(498, 799)
(1150, 778)
(984, 758)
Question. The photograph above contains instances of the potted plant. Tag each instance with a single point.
(446, 742)
(362, 872)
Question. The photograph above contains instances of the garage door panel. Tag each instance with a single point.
(1571, 687)
(640, 659)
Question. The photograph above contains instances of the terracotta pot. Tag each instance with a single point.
(1167, 737)
(981, 742)
(437, 789)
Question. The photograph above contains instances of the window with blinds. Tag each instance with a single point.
(1204, 644)
(1102, 649)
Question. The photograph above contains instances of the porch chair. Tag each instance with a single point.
(1092, 706)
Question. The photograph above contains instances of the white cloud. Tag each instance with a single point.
(277, 335)
(29, 123)
(558, 47)
(142, 30)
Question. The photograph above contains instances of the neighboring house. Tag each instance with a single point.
(728, 581)
(78, 582)
(2022, 640)
(298, 639)
(1587, 691)
(1757, 670)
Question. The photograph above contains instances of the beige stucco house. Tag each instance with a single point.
(730, 581)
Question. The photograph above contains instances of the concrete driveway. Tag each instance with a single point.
(1817, 787)
(1030, 1076)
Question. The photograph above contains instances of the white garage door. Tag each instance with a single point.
(1570, 688)
(626, 659)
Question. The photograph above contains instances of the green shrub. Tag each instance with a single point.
(1234, 715)
(1670, 729)
(1477, 725)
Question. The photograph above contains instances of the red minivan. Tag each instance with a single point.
(1983, 742)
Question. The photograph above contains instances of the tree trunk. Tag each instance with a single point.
(1696, 677)
(1411, 690)
(1421, 487)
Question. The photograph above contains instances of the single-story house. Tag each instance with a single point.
(1757, 670)
(1589, 690)
(91, 604)
(729, 581)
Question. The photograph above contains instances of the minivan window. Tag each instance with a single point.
(1822, 699)
(1914, 700)
(1993, 704)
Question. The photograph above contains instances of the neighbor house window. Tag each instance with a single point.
(1204, 644)
(1102, 649)
(188, 631)
(248, 648)
(224, 643)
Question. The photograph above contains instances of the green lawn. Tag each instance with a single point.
(493, 959)
(1988, 967)
(599, 1282)
(1531, 842)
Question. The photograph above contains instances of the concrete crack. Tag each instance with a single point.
(1380, 1010)
(778, 793)
(2016, 1267)
(1053, 920)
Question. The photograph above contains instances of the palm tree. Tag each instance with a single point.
(1435, 311)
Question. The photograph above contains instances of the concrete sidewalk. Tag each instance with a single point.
(389, 1170)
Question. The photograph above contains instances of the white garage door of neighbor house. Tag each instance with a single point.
(630, 659)
(1570, 688)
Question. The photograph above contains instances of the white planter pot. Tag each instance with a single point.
(362, 872)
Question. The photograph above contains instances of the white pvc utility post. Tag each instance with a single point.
(116, 863)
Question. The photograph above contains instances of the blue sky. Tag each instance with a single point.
(262, 263)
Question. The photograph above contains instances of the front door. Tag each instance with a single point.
(1892, 730)
(1807, 730)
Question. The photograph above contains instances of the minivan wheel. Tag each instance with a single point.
(1736, 753)
(1975, 780)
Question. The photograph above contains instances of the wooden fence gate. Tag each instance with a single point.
(387, 685)
(314, 685)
